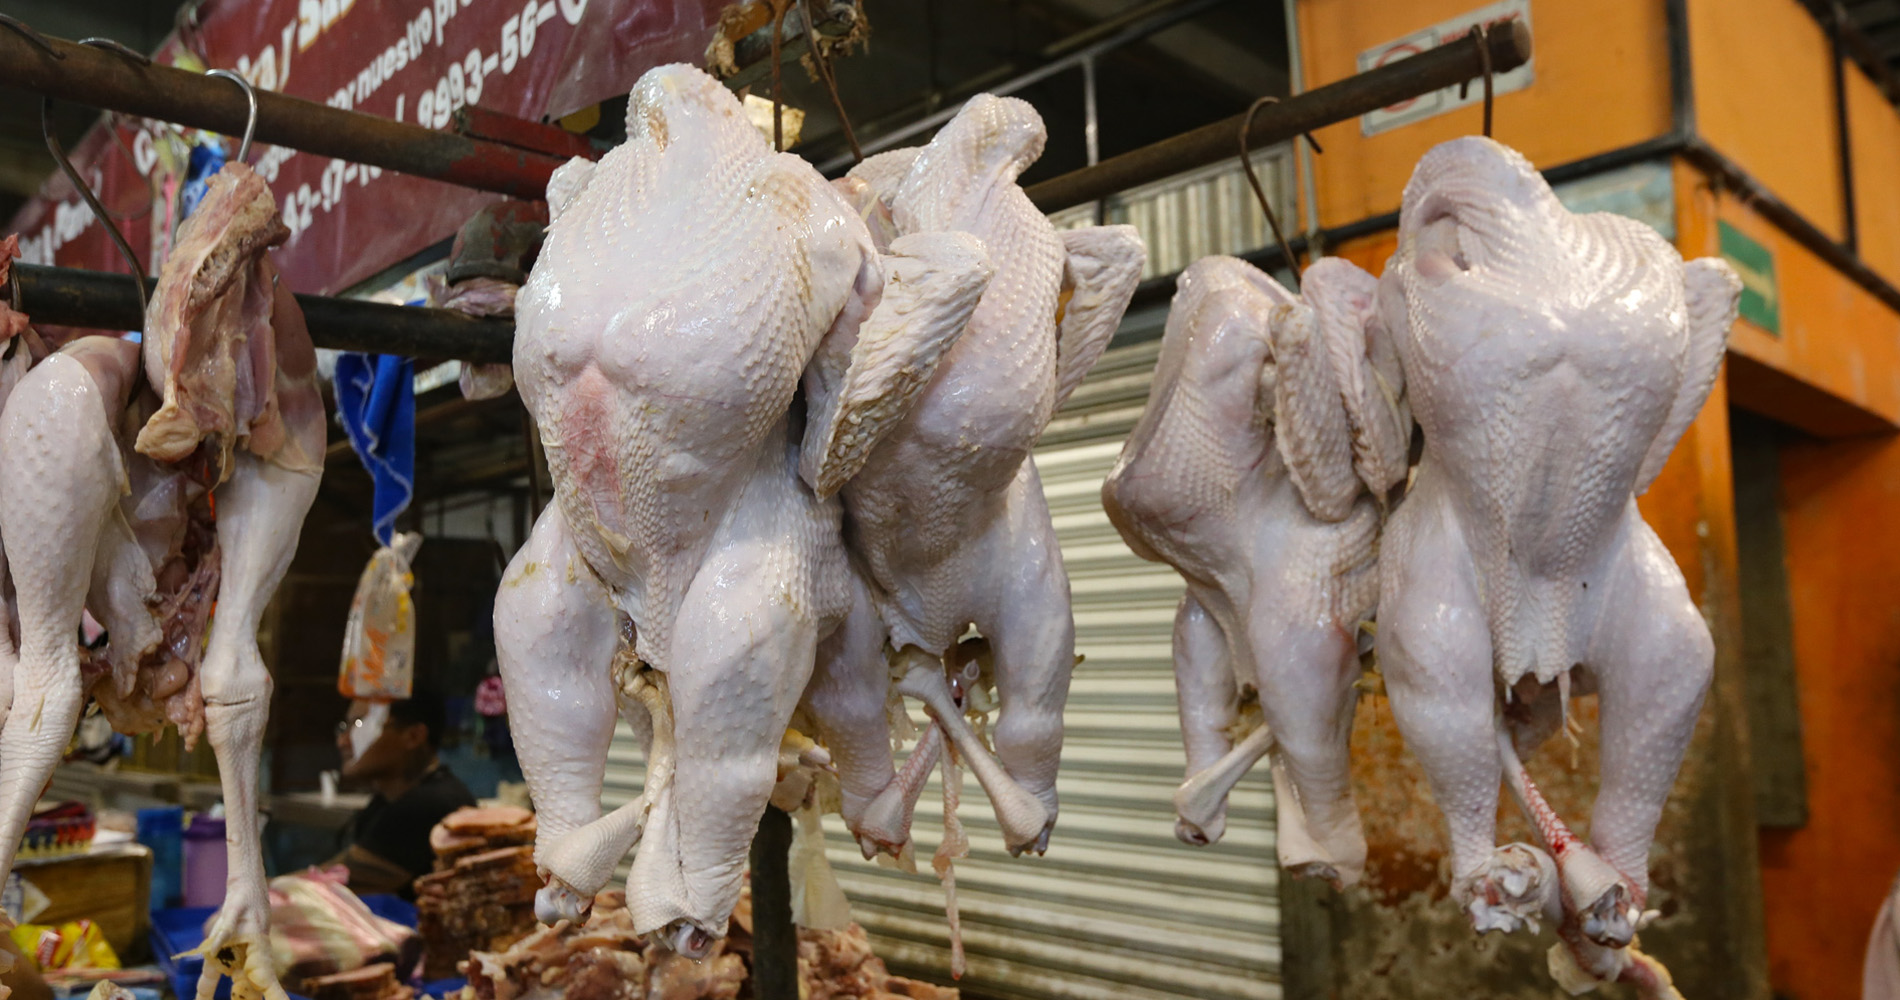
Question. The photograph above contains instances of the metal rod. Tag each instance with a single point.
(66, 297)
(1509, 45)
(774, 938)
(88, 75)
(1091, 125)
(1843, 129)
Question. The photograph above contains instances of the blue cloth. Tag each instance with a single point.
(376, 399)
(206, 159)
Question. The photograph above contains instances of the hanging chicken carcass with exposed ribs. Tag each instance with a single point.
(1274, 434)
(145, 507)
(1553, 360)
(685, 574)
(948, 515)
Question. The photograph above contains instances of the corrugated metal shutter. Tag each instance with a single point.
(1119, 908)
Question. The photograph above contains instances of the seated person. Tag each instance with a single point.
(387, 843)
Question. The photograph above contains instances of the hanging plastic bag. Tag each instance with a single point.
(379, 643)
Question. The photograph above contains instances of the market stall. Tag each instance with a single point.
(1112, 426)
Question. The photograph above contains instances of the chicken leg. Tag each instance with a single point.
(847, 701)
(555, 636)
(64, 474)
(260, 511)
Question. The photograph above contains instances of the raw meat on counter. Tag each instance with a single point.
(686, 576)
(1260, 469)
(1553, 360)
(603, 959)
(319, 927)
(481, 894)
(371, 982)
(94, 523)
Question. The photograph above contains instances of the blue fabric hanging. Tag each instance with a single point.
(376, 399)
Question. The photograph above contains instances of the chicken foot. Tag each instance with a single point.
(887, 819)
(580, 863)
(1589, 888)
(1597, 915)
(1020, 813)
(1200, 804)
(260, 510)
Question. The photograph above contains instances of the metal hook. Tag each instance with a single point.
(115, 47)
(1484, 60)
(105, 219)
(822, 58)
(25, 30)
(1246, 164)
(250, 95)
(778, 31)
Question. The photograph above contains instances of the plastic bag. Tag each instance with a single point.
(379, 643)
(76, 944)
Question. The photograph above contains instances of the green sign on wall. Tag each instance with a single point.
(1761, 303)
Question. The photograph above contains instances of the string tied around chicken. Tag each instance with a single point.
(1260, 193)
(821, 58)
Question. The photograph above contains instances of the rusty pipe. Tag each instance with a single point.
(1509, 45)
(63, 296)
(91, 76)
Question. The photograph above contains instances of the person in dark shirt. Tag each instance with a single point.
(387, 843)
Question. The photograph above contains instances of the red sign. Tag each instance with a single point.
(411, 60)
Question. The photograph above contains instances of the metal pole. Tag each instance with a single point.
(1509, 44)
(1091, 125)
(102, 79)
(62, 296)
(774, 938)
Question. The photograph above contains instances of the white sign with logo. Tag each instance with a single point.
(1449, 32)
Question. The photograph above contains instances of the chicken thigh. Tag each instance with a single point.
(1241, 475)
(685, 574)
(1553, 360)
(948, 514)
(130, 534)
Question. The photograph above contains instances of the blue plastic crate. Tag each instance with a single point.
(180, 929)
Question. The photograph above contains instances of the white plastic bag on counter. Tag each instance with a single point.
(379, 643)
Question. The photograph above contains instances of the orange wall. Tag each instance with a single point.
(1839, 347)
(1824, 882)
(1602, 82)
(1764, 95)
(1874, 126)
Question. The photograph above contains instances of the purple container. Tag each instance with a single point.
(205, 861)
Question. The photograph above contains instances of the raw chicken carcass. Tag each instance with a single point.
(948, 514)
(1274, 431)
(1553, 360)
(685, 574)
(94, 524)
